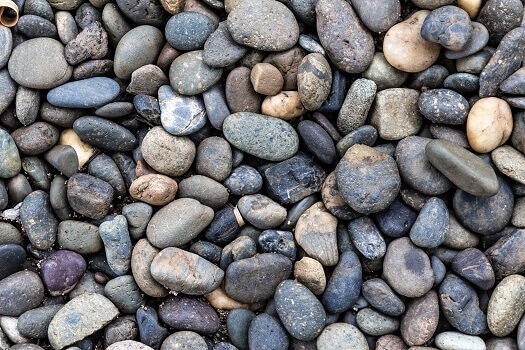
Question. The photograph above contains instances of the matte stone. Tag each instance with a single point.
(185, 339)
(281, 242)
(61, 271)
(35, 138)
(151, 331)
(220, 50)
(12, 258)
(91, 42)
(87, 93)
(500, 17)
(240, 93)
(354, 111)
(381, 296)
(216, 106)
(79, 236)
(243, 180)
(204, 189)
(104, 168)
(267, 332)
(38, 220)
(224, 227)
(474, 266)
(117, 243)
(479, 37)
(432, 77)
(238, 323)
(444, 106)
(506, 306)
(188, 30)
(317, 141)
(374, 323)
(430, 228)
(89, 195)
(420, 321)
(189, 75)
(341, 335)
(505, 256)
(180, 115)
(183, 313)
(124, 293)
(34, 323)
(142, 255)
(314, 80)
(449, 26)
(20, 292)
(63, 158)
(464, 83)
(10, 162)
(366, 238)
(378, 16)
(514, 83)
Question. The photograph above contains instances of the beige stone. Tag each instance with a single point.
(405, 49)
(506, 305)
(489, 124)
(84, 151)
(472, 7)
(286, 105)
(310, 272)
(154, 189)
(220, 300)
(510, 162)
(173, 6)
(266, 79)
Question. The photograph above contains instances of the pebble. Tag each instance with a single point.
(154, 189)
(478, 40)
(10, 329)
(267, 332)
(120, 330)
(384, 74)
(444, 106)
(104, 168)
(6, 39)
(12, 258)
(500, 17)
(117, 243)
(367, 238)
(474, 266)
(78, 236)
(184, 340)
(514, 83)
(243, 180)
(317, 141)
(185, 272)
(340, 45)
(311, 43)
(246, 131)
(87, 93)
(141, 258)
(89, 195)
(375, 323)
(238, 323)
(314, 80)
(28, 288)
(220, 50)
(406, 268)
(373, 192)
(506, 305)
(124, 293)
(333, 201)
(459, 237)
(420, 321)
(188, 30)
(266, 270)
(34, 323)
(192, 218)
(168, 154)
(430, 228)
(63, 158)
(38, 220)
(29, 67)
(127, 345)
(61, 271)
(79, 318)
(281, 242)
(355, 108)
(286, 105)
(204, 189)
(381, 297)
(448, 26)
(183, 313)
(343, 287)
(378, 16)
(150, 330)
(310, 273)
(252, 30)
(10, 162)
(9, 88)
(399, 119)
(509, 162)
(239, 92)
(146, 80)
(214, 158)
(26, 105)
(405, 48)
(339, 336)
(35, 138)
(90, 43)
(456, 341)
(466, 170)
(189, 75)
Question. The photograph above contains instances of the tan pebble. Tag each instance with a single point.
(173, 6)
(510, 162)
(310, 272)
(472, 7)
(506, 305)
(143, 168)
(266, 79)
(154, 189)
(405, 49)
(390, 342)
(167, 56)
(229, 5)
(84, 151)
(197, 6)
(286, 105)
(220, 300)
(489, 124)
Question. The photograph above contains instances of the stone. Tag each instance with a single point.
(339, 336)
(9, 87)
(104, 168)
(449, 26)
(375, 323)
(214, 158)
(10, 162)
(391, 342)
(87, 93)
(378, 16)
(189, 75)
(239, 92)
(310, 273)
(79, 318)
(343, 287)
(514, 83)
(204, 189)
(147, 80)
(151, 331)
(384, 74)
(406, 268)
(238, 324)
(358, 101)
(154, 189)
(35, 138)
(151, 13)
(268, 330)
(317, 141)
(138, 216)
(455, 340)
(189, 30)
(185, 272)
(117, 243)
(220, 50)
(448, 133)
(314, 81)
(243, 180)
(184, 339)
(479, 38)
(287, 62)
(399, 119)
(246, 131)
(90, 43)
(466, 170)
(128, 345)
(420, 321)
(381, 297)
(266, 79)
(341, 46)
(333, 201)
(61, 271)
(29, 291)
(500, 17)
(367, 238)
(78, 236)
(183, 313)
(30, 67)
(276, 241)
(34, 323)
(120, 330)
(505, 255)
(405, 48)
(38, 220)
(474, 266)
(63, 158)
(430, 228)
(506, 306)
(510, 162)
(252, 30)
(444, 106)
(124, 293)
(432, 4)
(6, 39)
(286, 105)
(12, 258)
(261, 211)
(266, 270)
(141, 258)
(89, 195)
(27, 102)
(374, 191)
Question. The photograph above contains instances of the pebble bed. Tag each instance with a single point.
(263, 175)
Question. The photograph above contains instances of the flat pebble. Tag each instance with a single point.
(189, 75)
(339, 336)
(87, 93)
(29, 289)
(220, 50)
(457, 341)
(89, 195)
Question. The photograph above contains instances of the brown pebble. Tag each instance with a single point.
(166, 57)
(240, 95)
(154, 189)
(390, 342)
(286, 105)
(266, 79)
(310, 272)
(101, 277)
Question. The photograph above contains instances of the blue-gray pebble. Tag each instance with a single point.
(367, 238)
(38, 220)
(449, 26)
(397, 220)
(10, 162)
(267, 333)
(117, 242)
(430, 228)
(105, 134)
(188, 30)
(87, 93)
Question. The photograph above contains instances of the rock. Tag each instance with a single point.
(431, 4)
(12, 258)
(381, 296)
(183, 313)
(192, 218)
(168, 154)
(505, 256)
(90, 43)
(27, 102)
(266, 79)
(444, 106)
(183, 339)
(120, 330)
(378, 16)
(220, 50)
(61, 271)
(514, 83)
(285, 105)
(207, 191)
(150, 330)
(189, 30)
(124, 293)
(35, 138)
(63, 158)
(281, 242)
(466, 170)
(117, 243)
(243, 180)
(287, 62)
(87, 93)
(362, 190)
(506, 305)
(266, 270)
(30, 67)
(390, 342)
(367, 238)
(138, 216)
(147, 80)
(420, 321)
(267, 332)
(314, 80)
(239, 92)
(456, 340)
(105, 134)
(10, 162)
(78, 236)
(216, 105)
(154, 189)
(9, 87)
(479, 38)
(189, 75)
(384, 74)
(343, 287)
(500, 17)
(253, 31)
(238, 324)
(396, 120)
(458, 237)
(357, 103)
(333, 201)
(34, 323)
(449, 26)
(247, 132)
(415, 167)
(104, 168)
(510, 162)
(316, 233)
(406, 268)
(448, 133)
(185, 272)
(10, 331)
(89, 196)
(38, 220)
(128, 345)
(338, 336)
(474, 266)
(405, 48)
(214, 158)
(341, 45)
(79, 318)
(6, 38)
(310, 273)
(375, 323)
(430, 228)
(29, 291)
(127, 57)
(141, 258)
(460, 306)
(505, 61)
(474, 212)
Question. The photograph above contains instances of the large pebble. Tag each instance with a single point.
(500, 17)
(474, 266)
(10, 162)
(92, 43)
(89, 196)
(407, 269)
(183, 313)
(185, 272)
(117, 243)
(456, 341)
(104, 134)
(78, 236)
(347, 42)
(505, 255)
(79, 318)
(420, 321)
(377, 15)
(506, 305)
(188, 30)
(204, 189)
(449, 26)
(267, 332)
(61, 271)
(35, 138)
(220, 50)
(87, 93)
(374, 186)
(343, 287)
(180, 115)
(339, 336)
(20, 292)
(430, 228)
(189, 75)
(38, 220)
(381, 296)
(248, 25)
(39, 64)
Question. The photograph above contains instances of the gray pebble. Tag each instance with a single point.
(117, 243)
